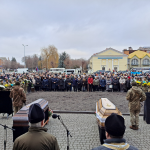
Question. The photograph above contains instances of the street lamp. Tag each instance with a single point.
(24, 55)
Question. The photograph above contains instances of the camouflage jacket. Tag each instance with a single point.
(18, 96)
(135, 95)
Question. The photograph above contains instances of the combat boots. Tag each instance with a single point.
(136, 127)
(133, 127)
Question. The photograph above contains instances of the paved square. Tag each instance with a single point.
(84, 131)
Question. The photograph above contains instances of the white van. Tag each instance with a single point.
(22, 70)
(57, 70)
(70, 71)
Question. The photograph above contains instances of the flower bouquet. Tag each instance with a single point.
(50, 113)
(144, 84)
(2, 87)
(138, 82)
(148, 84)
(25, 81)
(6, 85)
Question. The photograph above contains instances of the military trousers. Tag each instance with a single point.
(134, 117)
(16, 109)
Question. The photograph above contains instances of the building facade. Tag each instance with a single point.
(108, 60)
(138, 59)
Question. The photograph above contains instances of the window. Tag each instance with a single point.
(134, 62)
(103, 68)
(146, 62)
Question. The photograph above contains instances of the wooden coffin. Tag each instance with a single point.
(21, 117)
(105, 108)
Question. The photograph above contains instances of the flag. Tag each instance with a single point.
(37, 69)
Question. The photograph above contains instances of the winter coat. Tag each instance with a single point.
(110, 144)
(122, 81)
(18, 96)
(102, 82)
(61, 82)
(96, 82)
(108, 82)
(74, 82)
(115, 83)
(68, 82)
(79, 82)
(54, 81)
(42, 140)
(90, 80)
(50, 83)
(45, 83)
(128, 85)
(135, 95)
(84, 82)
(38, 82)
(33, 81)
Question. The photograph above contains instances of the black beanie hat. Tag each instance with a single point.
(17, 83)
(36, 114)
(114, 125)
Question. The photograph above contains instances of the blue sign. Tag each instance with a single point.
(136, 73)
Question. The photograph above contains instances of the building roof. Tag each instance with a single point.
(139, 54)
(96, 54)
(3, 58)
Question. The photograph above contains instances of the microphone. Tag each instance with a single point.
(54, 116)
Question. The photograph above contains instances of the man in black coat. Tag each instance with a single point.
(128, 85)
(79, 84)
(68, 84)
(114, 131)
(49, 83)
(61, 84)
(38, 84)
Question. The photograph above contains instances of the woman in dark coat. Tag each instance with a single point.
(54, 81)
(79, 82)
(108, 83)
(115, 83)
(103, 84)
(74, 83)
(128, 85)
(37, 84)
(84, 84)
(45, 84)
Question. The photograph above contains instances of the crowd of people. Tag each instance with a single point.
(75, 82)
(20, 84)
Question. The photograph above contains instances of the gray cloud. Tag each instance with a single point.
(80, 28)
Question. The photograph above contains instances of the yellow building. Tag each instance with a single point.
(138, 59)
(108, 60)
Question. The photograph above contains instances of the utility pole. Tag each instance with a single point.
(24, 55)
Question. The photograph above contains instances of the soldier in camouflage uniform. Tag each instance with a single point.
(1, 82)
(145, 87)
(135, 95)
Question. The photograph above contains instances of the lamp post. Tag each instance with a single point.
(24, 55)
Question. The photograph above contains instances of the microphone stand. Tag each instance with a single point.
(68, 133)
(5, 134)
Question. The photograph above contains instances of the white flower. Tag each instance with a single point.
(1, 86)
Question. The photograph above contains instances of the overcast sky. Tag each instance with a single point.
(79, 27)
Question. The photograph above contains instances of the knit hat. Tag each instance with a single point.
(36, 114)
(17, 83)
(114, 125)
